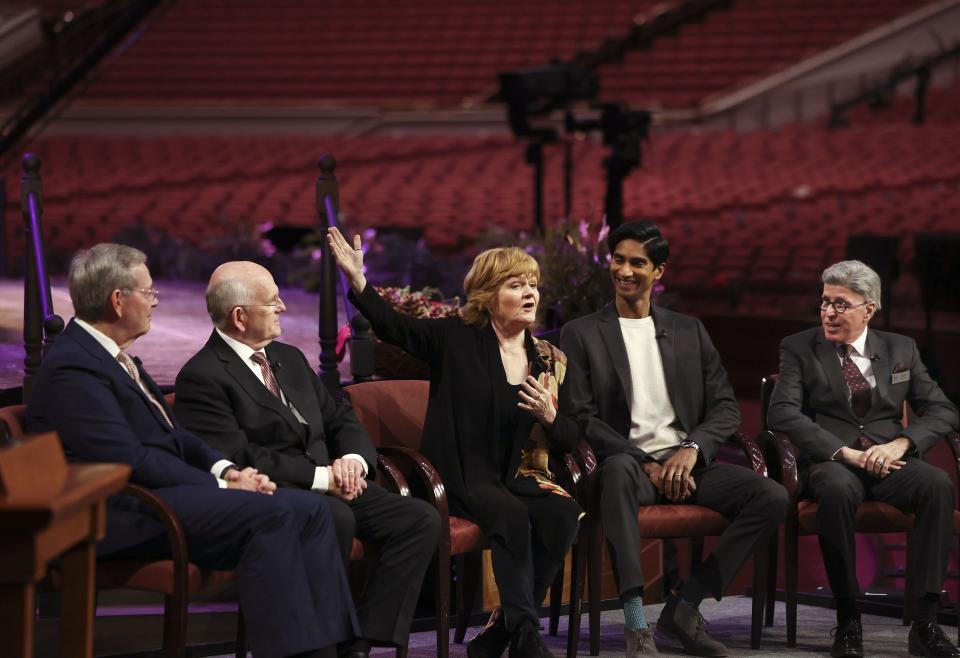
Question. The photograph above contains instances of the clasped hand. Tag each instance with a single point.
(249, 479)
(673, 478)
(346, 479)
(878, 460)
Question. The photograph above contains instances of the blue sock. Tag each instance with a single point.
(633, 617)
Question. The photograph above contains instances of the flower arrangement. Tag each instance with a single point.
(426, 303)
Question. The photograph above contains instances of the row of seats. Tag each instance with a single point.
(444, 52)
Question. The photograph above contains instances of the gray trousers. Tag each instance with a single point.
(754, 504)
(917, 488)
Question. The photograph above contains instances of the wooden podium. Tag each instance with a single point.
(50, 509)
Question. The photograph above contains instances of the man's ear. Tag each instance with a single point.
(116, 303)
(659, 270)
(237, 319)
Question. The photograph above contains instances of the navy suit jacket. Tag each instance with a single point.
(220, 399)
(599, 382)
(101, 415)
(809, 402)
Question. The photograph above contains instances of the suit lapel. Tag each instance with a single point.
(830, 362)
(247, 381)
(609, 327)
(877, 348)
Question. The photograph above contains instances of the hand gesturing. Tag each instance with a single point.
(349, 259)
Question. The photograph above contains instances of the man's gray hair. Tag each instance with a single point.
(857, 276)
(96, 272)
(223, 296)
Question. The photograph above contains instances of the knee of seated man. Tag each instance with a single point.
(832, 484)
(427, 523)
(772, 496)
(937, 485)
(617, 470)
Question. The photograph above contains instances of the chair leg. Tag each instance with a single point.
(761, 558)
(907, 593)
(594, 559)
(772, 559)
(241, 635)
(401, 652)
(443, 601)
(577, 574)
(175, 626)
(468, 581)
(556, 597)
(790, 550)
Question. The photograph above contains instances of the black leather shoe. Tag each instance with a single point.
(847, 640)
(492, 641)
(928, 639)
(356, 649)
(527, 643)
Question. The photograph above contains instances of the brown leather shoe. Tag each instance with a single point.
(685, 623)
(640, 643)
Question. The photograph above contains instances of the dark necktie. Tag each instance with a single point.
(856, 383)
(268, 378)
(131, 369)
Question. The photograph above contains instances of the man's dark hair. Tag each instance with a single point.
(645, 232)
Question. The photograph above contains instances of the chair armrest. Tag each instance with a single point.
(393, 475)
(175, 534)
(782, 457)
(421, 466)
(752, 452)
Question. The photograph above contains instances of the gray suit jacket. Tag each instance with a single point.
(809, 402)
(598, 381)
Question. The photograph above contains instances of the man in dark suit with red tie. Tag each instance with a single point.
(840, 398)
(260, 402)
(293, 590)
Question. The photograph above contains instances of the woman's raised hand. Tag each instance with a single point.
(537, 400)
(349, 259)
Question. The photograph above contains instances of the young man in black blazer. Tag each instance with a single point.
(839, 398)
(258, 401)
(653, 401)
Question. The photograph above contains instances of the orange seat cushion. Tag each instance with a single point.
(465, 536)
(680, 521)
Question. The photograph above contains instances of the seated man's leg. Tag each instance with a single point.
(927, 492)
(292, 585)
(838, 491)
(756, 505)
(625, 487)
(405, 530)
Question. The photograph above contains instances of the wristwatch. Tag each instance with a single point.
(690, 444)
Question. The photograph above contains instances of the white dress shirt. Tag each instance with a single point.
(219, 467)
(321, 475)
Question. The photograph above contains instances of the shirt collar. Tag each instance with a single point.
(108, 343)
(860, 344)
(243, 350)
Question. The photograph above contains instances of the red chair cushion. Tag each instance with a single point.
(663, 521)
(465, 536)
(871, 516)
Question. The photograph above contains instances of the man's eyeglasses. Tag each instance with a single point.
(839, 305)
(273, 303)
(150, 293)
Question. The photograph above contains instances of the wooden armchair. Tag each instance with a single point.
(177, 578)
(393, 413)
(872, 516)
(693, 522)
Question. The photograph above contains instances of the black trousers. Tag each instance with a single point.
(523, 576)
(917, 488)
(755, 505)
(405, 531)
(293, 591)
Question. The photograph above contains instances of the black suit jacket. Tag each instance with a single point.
(599, 381)
(222, 401)
(809, 402)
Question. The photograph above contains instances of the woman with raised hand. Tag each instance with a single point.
(492, 428)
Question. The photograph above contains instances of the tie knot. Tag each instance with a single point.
(128, 364)
(259, 358)
(846, 349)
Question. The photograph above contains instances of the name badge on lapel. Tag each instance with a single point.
(899, 376)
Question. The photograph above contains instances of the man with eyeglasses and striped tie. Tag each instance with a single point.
(839, 398)
(259, 401)
(293, 590)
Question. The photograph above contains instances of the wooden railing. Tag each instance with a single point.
(40, 324)
(361, 347)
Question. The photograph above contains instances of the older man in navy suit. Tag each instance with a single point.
(840, 398)
(282, 545)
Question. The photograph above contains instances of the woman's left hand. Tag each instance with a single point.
(537, 400)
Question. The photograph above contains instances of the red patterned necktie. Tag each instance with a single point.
(131, 368)
(268, 378)
(856, 383)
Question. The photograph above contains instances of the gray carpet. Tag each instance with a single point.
(729, 622)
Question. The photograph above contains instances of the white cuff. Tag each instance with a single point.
(221, 483)
(321, 479)
(363, 464)
(220, 466)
